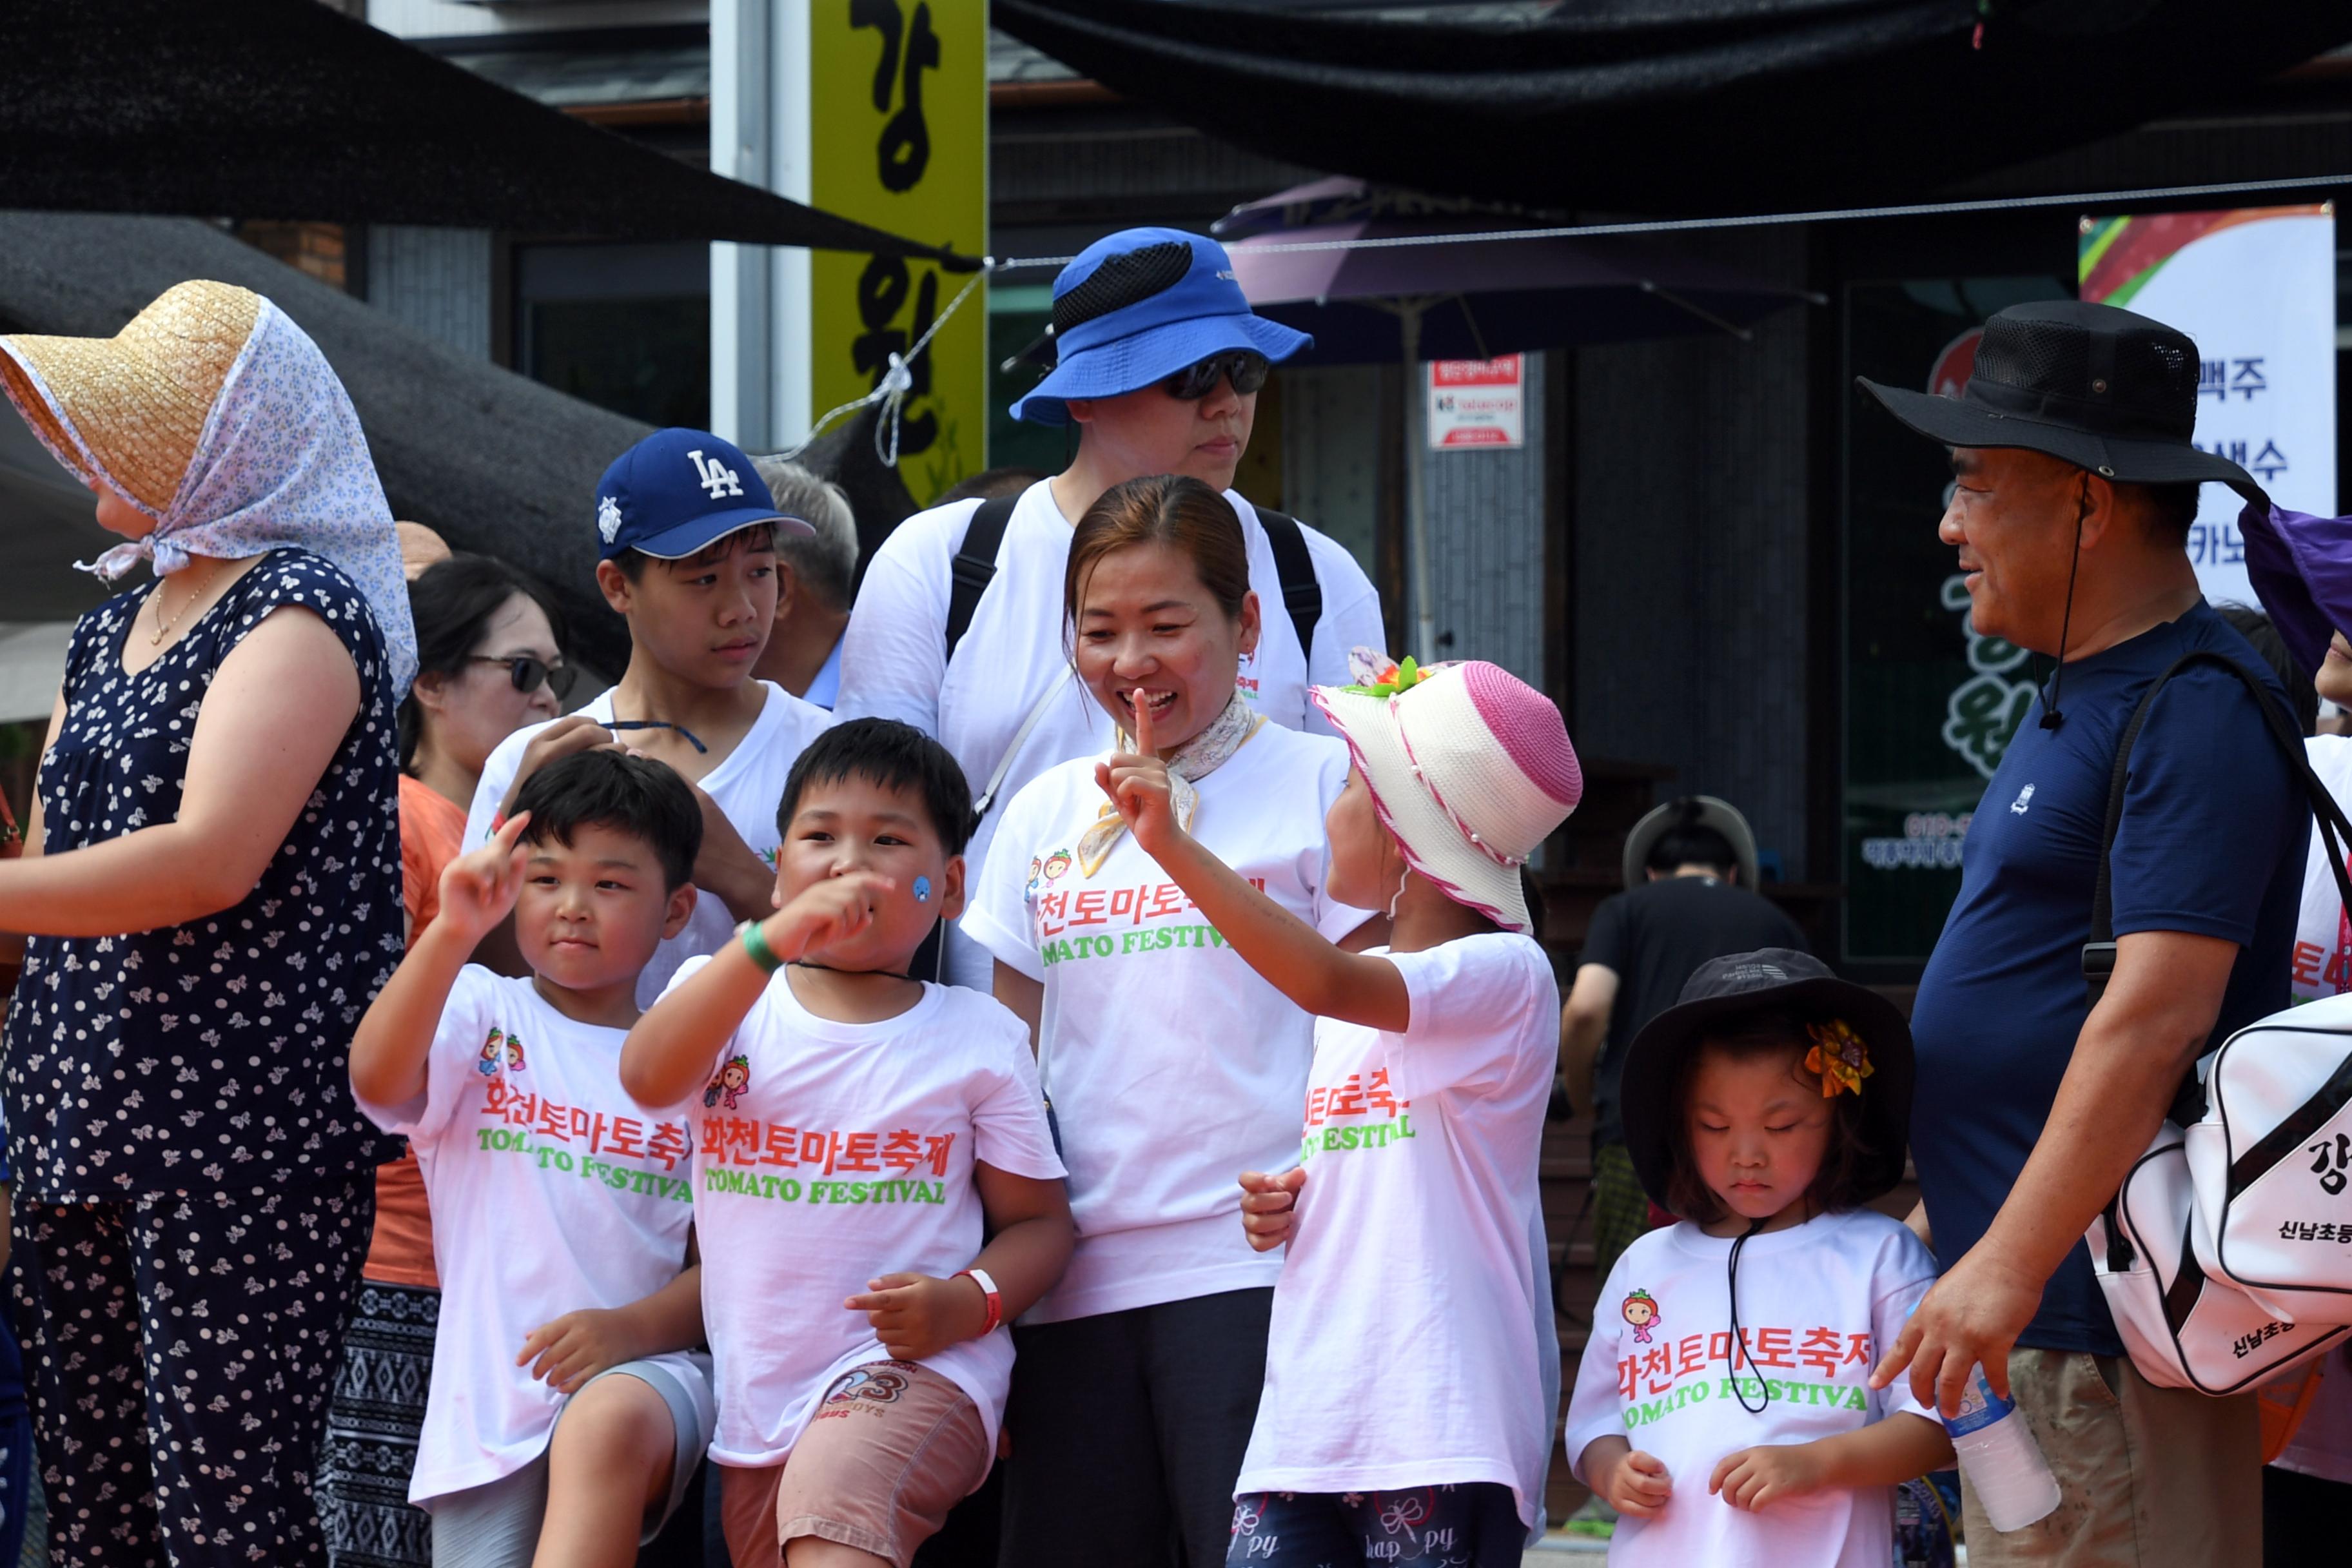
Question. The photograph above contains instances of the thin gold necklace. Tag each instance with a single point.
(162, 626)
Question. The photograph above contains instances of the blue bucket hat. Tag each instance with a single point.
(679, 491)
(1138, 306)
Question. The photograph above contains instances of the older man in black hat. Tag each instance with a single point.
(2075, 483)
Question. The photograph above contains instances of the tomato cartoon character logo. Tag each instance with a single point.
(1036, 871)
(1056, 864)
(727, 1088)
(1641, 1310)
(494, 1051)
(514, 1054)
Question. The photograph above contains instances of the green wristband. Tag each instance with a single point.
(755, 947)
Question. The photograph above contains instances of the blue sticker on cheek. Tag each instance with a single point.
(922, 890)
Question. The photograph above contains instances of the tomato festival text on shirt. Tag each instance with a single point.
(1660, 1369)
(620, 1136)
(1354, 1096)
(737, 1141)
(785, 1189)
(1060, 910)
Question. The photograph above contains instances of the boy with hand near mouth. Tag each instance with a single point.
(686, 532)
(862, 1135)
(567, 1408)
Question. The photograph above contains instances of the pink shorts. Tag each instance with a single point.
(893, 1446)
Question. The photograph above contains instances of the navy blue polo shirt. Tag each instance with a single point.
(2212, 843)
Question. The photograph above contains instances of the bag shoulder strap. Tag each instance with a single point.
(2335, 830)
(1293, 564)
(974, 567)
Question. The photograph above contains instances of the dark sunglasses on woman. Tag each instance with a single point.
(529, 674)
(1247, 371)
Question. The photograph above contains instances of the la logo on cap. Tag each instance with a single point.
(608, 519)
(716, 477)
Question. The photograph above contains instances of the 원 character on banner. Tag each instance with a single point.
(958, 625)
(2077, 482)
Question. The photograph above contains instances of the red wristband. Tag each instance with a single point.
(995, 1301)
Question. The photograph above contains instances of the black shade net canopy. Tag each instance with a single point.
(283, 108)
(1678, 108)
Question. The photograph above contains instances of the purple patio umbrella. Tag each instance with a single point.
(1382, 278)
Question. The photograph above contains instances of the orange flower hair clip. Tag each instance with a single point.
(1839, 1057)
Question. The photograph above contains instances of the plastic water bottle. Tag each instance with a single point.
(2004, 1465)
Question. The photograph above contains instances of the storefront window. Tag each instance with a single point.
(1929, 706)
(625, 327)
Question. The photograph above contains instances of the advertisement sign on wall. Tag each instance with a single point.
(899, 139)
(2255, 286)
(1476, 403)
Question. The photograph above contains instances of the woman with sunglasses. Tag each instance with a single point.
(1160, 364)
(489, 661)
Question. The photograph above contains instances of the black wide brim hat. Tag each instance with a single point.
(2090, 384)
(1772, 980)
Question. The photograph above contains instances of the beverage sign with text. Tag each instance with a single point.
(1477, 403)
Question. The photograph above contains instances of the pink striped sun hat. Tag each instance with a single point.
(1470, 768)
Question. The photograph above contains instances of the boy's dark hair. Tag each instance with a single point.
(632, 563)
(1693, 844)
(1836, 1185)
(635, 795)
(894, 755)
(2303, 698)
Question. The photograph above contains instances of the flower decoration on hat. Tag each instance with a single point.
(1839, 1057)
(1377, 675)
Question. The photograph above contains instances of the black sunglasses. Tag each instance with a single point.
(1247, 371)
(529, 674)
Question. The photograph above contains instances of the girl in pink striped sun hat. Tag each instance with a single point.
(1414, 1248)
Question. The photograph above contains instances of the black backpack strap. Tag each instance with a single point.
(974, 566)
(1293, 564)
(2335, 829)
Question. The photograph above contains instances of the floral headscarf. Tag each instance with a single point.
(280, 460)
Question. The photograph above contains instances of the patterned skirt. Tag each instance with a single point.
(371, 1426)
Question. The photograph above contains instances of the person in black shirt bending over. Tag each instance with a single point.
(1689, 868)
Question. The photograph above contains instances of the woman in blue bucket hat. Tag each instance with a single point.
(958, 624)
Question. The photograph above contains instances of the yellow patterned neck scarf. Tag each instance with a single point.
(1197, 758)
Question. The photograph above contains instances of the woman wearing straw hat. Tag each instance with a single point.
(212, 890)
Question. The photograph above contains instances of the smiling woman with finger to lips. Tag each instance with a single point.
(1170, 1063)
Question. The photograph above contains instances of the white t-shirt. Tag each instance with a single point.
(2313, 966)
(1818, 1303)
(552, 1193)
(894, 658)
(1172, 1066)
(829, 1153)
(1411, 1251)
(749, 786)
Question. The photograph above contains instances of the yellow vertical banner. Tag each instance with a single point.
(899, 139)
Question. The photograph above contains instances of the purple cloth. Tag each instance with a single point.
(2301, 567)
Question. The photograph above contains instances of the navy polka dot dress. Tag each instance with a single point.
(195, 1193)
(209, 1057)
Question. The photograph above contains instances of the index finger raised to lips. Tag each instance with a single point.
(1143, 724)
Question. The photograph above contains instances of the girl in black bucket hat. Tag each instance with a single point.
(1729, 1418)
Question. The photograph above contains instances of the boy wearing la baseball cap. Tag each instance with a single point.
(686, 533)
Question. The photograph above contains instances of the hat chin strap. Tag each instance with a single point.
(2054, 718)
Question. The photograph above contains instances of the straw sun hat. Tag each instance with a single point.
(131, 409)
(1469, 767)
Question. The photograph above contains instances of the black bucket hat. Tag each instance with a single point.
(2090, 384)
(1773, 979)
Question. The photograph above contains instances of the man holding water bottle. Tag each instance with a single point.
(2075, 482)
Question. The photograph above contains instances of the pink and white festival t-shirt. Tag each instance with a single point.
(1818, 1303)
(551, 1192)
(827, 1153)
(1172, 1066)
(1403, 1350)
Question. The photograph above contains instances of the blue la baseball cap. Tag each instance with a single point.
(678, 490)
(1138, 306)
